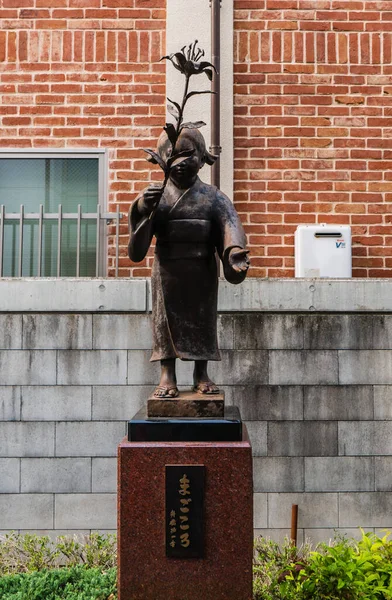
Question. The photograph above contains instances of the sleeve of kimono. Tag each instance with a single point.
(230, 235)
(140, 233)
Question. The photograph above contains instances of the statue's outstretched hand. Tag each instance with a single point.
(150, 199)
(239, 260)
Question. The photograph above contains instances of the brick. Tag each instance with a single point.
(10, 331)
(80, 511)
(88, 439)
(260, 514)
(338, 331)
(258, 437)
(9, 475)
(371, 509)
(86, 367)
(10, 402)
(298, 438)
(303, 367)
(339, 474)
(368, 438)
(26, 439)
(314, 510)
(56, 403)
(269, 403)
(57, 475)
(119, 403)
(104, 475)
(23, 367)
(24, 511)
(365, 366)
(338, 403)
(278, 474)
(51, 331)
(260, 331)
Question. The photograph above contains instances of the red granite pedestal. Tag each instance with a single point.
(225, 571)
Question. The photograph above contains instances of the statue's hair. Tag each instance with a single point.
(197, 139)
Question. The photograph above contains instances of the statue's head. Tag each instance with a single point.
(189, 139)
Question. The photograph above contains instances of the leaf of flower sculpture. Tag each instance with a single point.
(171, 133)
(155, 159)
(178, 158)
(173, 111)
(190, 125)
(197, 93)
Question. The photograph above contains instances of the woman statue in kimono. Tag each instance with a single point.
(191, 221)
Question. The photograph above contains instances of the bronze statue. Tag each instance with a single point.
(191, 220)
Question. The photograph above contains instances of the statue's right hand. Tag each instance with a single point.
(151, 198)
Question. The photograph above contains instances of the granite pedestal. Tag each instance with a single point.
(223, 567)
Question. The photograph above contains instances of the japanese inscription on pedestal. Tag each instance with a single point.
(184, 511)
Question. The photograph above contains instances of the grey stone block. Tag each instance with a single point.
(383, 402)
(338, 402)
(330, 332)
(56, 331)
(89, 367)
(28, 367)
(104, 478)
(383, 470)
(9, 475)
(26, 439)
(314, 510)
(119, 402)
(240, 367)
(117, 331)
(269, 403)
(365, 438)
(85, 511)
(10, 331)
(140, 370)
(56, 403)
(280, 474)
(382, 332)
(260, 510)
(26, 511)
(258, 331)
(97, 438)
(365, 509)
(292, 367)
(225, 332)
(279, 535)
(365, 366)
(339, 474)
(60, 475)
(258, 437)
(311, 438)
(9, 403)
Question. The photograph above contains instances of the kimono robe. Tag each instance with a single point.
(184, 278)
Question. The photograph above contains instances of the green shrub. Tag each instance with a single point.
(345, 570)
(75, 583)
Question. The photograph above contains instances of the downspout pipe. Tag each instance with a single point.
(215, 147)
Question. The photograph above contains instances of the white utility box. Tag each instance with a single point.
(323, 251)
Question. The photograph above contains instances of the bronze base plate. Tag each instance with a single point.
(187, 404)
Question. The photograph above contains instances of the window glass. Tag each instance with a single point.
(50, 182)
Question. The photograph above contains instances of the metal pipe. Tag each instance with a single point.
(59, 239)
(97, 248)
(215, 147)
(78, 238)
(294, 524)
(40, 228)
(21, 226)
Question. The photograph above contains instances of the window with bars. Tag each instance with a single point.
(51, 207)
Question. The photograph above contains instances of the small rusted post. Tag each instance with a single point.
(294, 524)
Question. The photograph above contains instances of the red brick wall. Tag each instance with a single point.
(85, 73)
(313, 126)
(313, 110)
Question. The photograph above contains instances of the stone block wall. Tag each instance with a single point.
(314, 388)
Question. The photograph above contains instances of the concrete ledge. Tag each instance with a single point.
(134, 295)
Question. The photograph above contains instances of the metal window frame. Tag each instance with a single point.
(103, 167)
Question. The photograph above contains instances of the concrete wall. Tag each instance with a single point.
(307, 362)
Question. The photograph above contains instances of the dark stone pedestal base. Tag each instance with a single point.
(225, 571)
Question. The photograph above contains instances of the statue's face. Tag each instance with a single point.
(185, 173)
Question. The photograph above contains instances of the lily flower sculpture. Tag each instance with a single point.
(187, 63)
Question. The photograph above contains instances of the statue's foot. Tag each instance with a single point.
(162, 391)
(206, 387)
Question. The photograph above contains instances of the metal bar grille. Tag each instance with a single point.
(60, 217)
